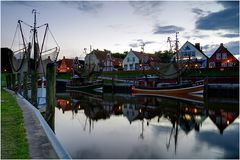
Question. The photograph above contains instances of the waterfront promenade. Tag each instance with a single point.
(39, 144)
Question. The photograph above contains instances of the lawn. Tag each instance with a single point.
(3, 79)
(65, 76)
(13, 136)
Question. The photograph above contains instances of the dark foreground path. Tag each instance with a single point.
(38, 142)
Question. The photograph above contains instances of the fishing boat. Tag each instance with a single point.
(33, 47)
(188, 92)
(180, 89)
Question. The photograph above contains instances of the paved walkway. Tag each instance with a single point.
(38, 142)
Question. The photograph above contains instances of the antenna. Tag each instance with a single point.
(170, 44)
(142, 46)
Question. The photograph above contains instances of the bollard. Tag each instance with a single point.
(50, 93)
(19, 83)
(25, 85)
(34, 86)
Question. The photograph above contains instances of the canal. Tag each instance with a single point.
(130, 126)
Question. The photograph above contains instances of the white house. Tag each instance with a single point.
(193, 54)
(98, 61)
(139, 61)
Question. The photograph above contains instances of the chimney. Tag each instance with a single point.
(221, 44)
(197, 45)
(63, 57)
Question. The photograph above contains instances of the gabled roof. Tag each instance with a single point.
(68, 62)
(142, 55)
(196, 48)
(222, 49)
(101, 55)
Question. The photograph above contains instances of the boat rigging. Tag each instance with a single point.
(30, 55)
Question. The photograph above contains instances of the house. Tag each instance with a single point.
(192, 55)
(140, 61)
(117, 63)
(222, 58)
(65, 65)
(98, 61)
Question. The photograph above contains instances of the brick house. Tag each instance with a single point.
(222, 58)
(65, 65)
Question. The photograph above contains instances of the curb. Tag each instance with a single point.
(57, 146)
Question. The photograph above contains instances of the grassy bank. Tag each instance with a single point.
(13, 136)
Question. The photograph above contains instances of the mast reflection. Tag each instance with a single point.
(184, 116)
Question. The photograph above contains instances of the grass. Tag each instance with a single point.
(13, 136)
(3, 79)
(65, 76)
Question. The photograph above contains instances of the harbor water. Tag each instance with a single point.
(130, 126)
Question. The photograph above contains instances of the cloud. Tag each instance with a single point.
(146, 8)
(134, 45)
(139, 42)
(227, 19)
(84, 6)
(230, 35)
(197, 11)
(227, 142)
(23, 3)
(167, 29)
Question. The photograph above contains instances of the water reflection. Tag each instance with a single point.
(160, 124)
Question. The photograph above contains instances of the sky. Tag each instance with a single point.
(119, 26)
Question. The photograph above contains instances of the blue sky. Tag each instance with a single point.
(121, 25)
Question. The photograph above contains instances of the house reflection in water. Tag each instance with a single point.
(223, 115)
(186, 115)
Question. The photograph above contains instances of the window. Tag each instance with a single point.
(133, 59)
(211, 65)
(137, 66)
(125, 67)
(131, 66)
(224, 64)
(128, 59)
(218, 56)
(224, 55)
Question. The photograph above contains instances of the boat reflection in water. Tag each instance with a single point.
(126, 126)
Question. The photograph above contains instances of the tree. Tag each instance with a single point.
(119, 55)
(164, 56)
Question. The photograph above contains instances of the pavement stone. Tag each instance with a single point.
(38, 142)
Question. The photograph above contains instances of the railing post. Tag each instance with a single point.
(50, 93)
(25, 85)
(34, 90)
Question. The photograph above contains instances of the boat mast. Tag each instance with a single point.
(34, 39)
(177, 50)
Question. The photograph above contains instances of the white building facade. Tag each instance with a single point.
(192, 54)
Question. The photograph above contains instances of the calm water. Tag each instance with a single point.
(125, 126)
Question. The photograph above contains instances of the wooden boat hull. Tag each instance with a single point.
(186, 93)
